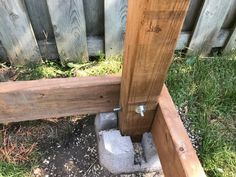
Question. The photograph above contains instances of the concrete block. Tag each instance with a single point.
(105, 121)
(150, 153)
(116, 152)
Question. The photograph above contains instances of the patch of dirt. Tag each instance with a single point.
(77, 155)
(7, 74)
(67, 147)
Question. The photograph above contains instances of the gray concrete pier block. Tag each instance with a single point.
(116, 152)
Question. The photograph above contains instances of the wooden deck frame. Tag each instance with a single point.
(177, 155)
(49, 98)
(29, 100)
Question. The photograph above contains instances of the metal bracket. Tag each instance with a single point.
(117, 109)
(141, 109)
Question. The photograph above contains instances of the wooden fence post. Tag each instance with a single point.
(152, 32)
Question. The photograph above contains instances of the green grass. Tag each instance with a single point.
(12, 170)
(208, 88)
(50, 69)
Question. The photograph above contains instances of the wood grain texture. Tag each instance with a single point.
(94, 15)
(208, 26)
(231, 43)
(152, 32)
(177, 155)
(115, 26)
(28, 100)
(68, 22)
(16, 33)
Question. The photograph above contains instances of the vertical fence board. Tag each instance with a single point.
(95, 45)
(16, 33)
(192, 14)
(3, 54)
(208, 26)
(41, 23)
(115, 25)
(68, 22)
(231, 15)
(94, 15)
(40, 19)
(231, 44)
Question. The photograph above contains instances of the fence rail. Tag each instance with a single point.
(72, 30)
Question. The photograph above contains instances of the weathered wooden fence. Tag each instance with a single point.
(72, 30)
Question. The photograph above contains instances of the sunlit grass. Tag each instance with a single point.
(50, 69)
(207, 86)
(12, 170)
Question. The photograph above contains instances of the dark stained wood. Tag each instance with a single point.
(28, 100)
(152, 32)
(178, 158)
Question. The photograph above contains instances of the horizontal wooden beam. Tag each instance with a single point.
(177, 155)
(48, 98)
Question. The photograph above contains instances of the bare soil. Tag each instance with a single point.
(67, 147)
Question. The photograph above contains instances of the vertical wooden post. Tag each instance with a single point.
(152, 31)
